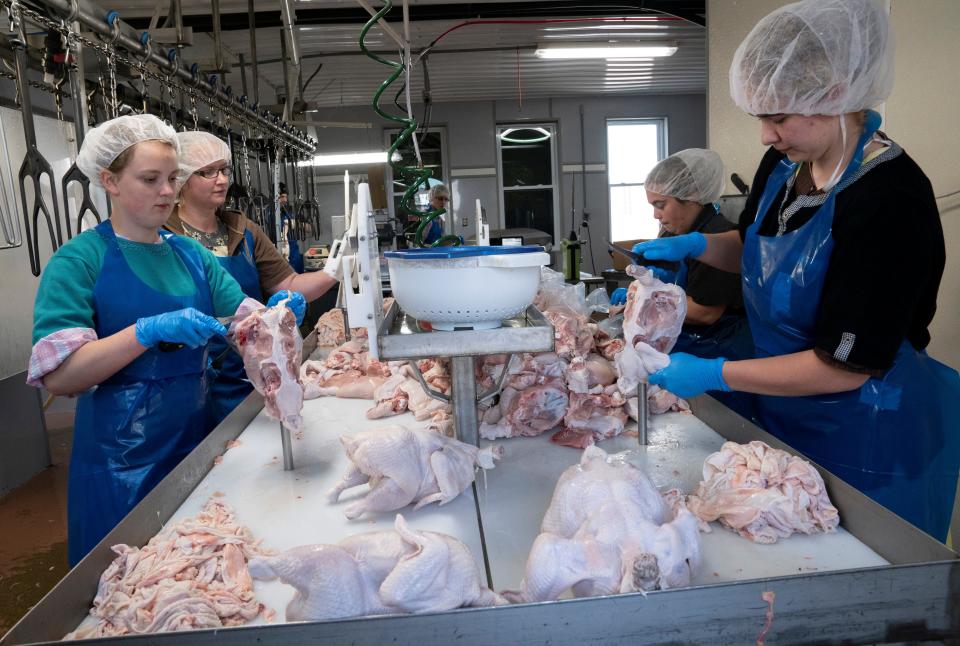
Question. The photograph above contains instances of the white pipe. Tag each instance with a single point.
(409, 68)
(346, 200)
(288, 17)
(383, 23)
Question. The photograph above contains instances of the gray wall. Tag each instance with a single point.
(472, 150)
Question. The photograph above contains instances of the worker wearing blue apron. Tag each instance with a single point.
(122, 318)
(134, 428)
(242, 248)
(893, 435)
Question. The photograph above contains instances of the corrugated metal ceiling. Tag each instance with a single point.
(479, 61)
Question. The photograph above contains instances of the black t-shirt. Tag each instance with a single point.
(887, 260)
(708, 285)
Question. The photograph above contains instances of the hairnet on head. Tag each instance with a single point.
(694, 174)
(103, 144)
(815, 57)
(200, 149)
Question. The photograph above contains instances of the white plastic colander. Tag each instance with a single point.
(465, 287)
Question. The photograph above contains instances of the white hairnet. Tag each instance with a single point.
(694, 174)
(103, 144)
(199, 149)
(815, 57)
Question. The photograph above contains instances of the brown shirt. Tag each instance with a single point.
(272, 267)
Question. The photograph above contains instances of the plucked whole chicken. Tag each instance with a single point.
(378, 573)
(406, 466)
(608, 530)
(271, 345)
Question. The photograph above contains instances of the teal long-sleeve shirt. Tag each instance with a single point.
(65, 297)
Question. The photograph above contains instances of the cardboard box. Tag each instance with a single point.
(377, 177)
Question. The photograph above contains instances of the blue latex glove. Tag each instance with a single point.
(664, 275)
(297, 303)
(188, 326)
(619, 296)
(689, 245)
(688, 376)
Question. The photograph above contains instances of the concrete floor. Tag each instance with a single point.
(34, 557)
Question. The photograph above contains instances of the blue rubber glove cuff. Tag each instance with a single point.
(688, 376)
(689, 245)
(297, 303)
(619, 296)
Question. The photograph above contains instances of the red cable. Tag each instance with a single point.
(543, 21)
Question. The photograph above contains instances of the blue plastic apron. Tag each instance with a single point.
(136, 426)
(896, 438)
(229, 383)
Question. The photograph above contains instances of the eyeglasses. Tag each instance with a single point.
(211, 173)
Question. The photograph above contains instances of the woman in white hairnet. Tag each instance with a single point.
(683, 189)
(122, 318)
(841, 253)
(241, 247)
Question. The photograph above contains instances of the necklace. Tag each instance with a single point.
(215, 241)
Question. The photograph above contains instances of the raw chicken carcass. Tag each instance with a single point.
(404, 466)
(608, 530)
(586, 373)
(573, 332)
(763, 493)
(331, 329)
(378, 573)
(528, 412)
(655, 311)
(403, 392)
(591, 417)
(190, 576)
(271, 345)
(347, 372)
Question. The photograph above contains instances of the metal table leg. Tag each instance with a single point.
(464, 391)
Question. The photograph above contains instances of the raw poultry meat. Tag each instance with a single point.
(271, 347)
(573, 332)
(190, 576)
(403, 392)
(534, 398)
(348, 372)
(655, 311)
(406, 466)
(763, 493)
(608, 530)
(331, 329)
(659, 401)
(592, 416)
(586, 373)
(378, 573)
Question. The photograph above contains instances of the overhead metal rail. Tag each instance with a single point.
(171, 70)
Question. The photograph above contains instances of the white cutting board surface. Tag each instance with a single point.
(289, 508)
(518, 492)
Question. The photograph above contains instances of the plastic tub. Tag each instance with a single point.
(457, 288)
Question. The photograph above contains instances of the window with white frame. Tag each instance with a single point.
(528, 176)
(634, 146)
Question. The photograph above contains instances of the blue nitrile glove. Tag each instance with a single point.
(189, 326)
(687, 375)
(619, 296)
(664, 275)
(689, 245)
(297, 303)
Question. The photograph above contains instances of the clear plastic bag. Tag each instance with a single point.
(598, 300)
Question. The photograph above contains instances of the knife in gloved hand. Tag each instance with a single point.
(639, 258)
(173, 346)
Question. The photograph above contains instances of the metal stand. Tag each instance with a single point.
(287, 448)
(400, 337)
(643, 413)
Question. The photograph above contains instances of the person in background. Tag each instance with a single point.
(122, 318)
(682, 190)
(288, 225)
(438, 199)
(241, 247)
(841, 252)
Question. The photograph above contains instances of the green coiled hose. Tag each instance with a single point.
(418, 175)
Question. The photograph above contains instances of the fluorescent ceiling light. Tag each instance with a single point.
(346, 159)
(605, 50)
